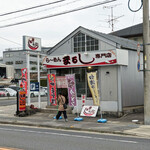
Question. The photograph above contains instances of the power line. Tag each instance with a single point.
(58, 14)
(9, 13)
(39, 11)
(10, 41)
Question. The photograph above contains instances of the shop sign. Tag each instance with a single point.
(71, 89)
(52, 88)
(99, 58)
(89, 111)
(31, 43)
(22, 100)
(61, 82)
(24, 79)
(92, 82)
(81, 60)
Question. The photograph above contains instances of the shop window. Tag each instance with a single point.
(80, 80)
(19, 62)
(8, 55)
(33, 62)
(83, 42)
(80, 77)
(9, 63)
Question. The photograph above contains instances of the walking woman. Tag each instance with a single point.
(61, 101)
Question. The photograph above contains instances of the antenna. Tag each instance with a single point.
(112, 19)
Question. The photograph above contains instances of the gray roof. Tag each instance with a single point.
(122, 42)
(135, 30)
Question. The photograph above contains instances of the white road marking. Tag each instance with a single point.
(70, 135)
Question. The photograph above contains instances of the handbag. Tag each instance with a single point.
(64, 105)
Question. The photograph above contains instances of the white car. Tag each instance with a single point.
(44, 88)
(10, 91)
(36, 93)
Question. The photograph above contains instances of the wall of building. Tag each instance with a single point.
(109, 88)
(65, 48)
(132, 82)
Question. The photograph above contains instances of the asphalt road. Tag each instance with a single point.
(5, 101)
(27, 138)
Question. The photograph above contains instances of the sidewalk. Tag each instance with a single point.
(123, 125)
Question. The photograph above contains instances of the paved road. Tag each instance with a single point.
(26, 138)
(4, 101)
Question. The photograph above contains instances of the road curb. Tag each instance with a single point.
(68, 128)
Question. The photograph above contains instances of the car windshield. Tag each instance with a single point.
(2, 89)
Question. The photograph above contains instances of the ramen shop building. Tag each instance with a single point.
(113, 58)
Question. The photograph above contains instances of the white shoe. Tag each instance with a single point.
(66, 120)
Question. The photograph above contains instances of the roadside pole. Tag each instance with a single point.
(146, 62)
(39, 97)
(28, 70)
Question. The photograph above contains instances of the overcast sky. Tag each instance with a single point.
(54, 29)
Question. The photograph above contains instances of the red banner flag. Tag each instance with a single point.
(52, 88)
(24, 79)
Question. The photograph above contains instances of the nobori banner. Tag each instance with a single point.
(31, 43)
(99, 58)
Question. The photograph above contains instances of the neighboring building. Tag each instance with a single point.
(133, 33)
(114, 59)
(17, 58)
(1, 60)
(6, 71)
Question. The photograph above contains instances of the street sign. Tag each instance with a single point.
(138, 65)
(34, 86)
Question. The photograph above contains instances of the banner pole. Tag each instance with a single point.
(39, 97)
(28, 68)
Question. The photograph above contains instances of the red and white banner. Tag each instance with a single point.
(99, 58)
(61, 82)
(52, 88)
(24, 79)
(89, 111)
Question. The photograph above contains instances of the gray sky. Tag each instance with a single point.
(54, 29)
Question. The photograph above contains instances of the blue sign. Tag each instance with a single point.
(138, 65)
(34, 86)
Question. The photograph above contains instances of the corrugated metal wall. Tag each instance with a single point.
(132, 82)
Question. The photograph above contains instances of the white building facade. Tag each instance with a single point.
(114, 59)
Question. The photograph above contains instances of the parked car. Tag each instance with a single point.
(16, 88)
(9, 91)
(36, 93)
(45, 89)
(3, 94)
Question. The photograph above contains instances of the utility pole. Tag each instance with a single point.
(146, 62)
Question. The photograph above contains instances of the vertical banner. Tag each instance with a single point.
(24, 79)
(92, 82)
(52, 88)
(71, 89)
(22, 101)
